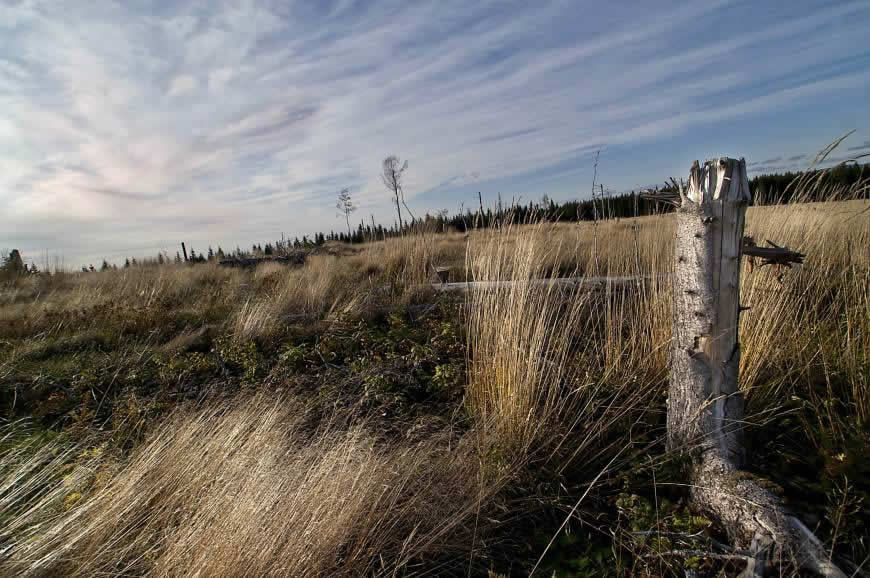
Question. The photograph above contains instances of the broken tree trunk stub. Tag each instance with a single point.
(705, 354)
(705, 406)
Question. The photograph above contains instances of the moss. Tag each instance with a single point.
(637, 510)
(579, 555)
(239, 358)
(180, 368)
(71, 500)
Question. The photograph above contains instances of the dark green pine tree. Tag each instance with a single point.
(14, 264)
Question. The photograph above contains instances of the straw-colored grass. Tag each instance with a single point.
(556, 382)
(520, 337)
(247, 488)
(812, 325)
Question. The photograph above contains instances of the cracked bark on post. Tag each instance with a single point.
(705, 406)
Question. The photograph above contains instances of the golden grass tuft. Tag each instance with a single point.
(246, 488)
(520, 337)
(554, 370)
(806, 321)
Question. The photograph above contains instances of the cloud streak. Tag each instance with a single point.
(232, 121)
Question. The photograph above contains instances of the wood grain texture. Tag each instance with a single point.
(705, 406)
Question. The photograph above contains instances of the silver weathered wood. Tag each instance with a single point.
(704, 398)
(586, 283)
(705, 406)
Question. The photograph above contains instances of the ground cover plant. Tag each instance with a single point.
(344, 418)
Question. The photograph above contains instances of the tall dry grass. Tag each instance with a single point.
(810, 324)
(252, 488)
(553, 370)
(410, 261)
(146, 285)
(248, 488)
(324, 284)
(520, 336)
(42, 305)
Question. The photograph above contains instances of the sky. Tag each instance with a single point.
(127, 127)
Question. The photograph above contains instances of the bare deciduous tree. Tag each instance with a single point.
(392, 175)
(346, 206)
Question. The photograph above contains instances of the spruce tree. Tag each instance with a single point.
(14, 264)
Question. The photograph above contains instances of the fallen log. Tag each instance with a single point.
(589, 283)
(772, 255)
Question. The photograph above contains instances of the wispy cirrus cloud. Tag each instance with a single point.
(137, 125)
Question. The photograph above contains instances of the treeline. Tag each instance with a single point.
(766, 189)
(778, 188)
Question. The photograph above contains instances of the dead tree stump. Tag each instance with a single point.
(705, 406)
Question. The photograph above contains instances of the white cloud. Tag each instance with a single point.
(181, 85)
(218, 79)
(234, 121)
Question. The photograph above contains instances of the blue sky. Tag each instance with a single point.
(129, 126)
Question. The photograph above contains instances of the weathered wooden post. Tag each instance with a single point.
(705, 406)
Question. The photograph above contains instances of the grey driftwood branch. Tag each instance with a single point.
(772, 255)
